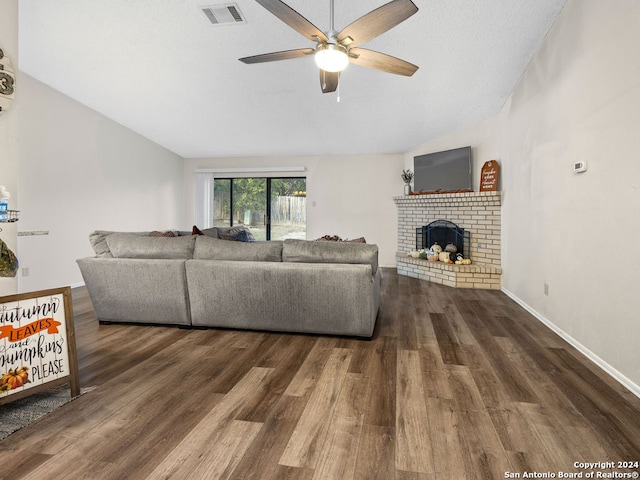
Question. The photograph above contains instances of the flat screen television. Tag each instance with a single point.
(448, 171)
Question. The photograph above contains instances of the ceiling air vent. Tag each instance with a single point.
(225, 14)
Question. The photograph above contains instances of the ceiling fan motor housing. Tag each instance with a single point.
(331, 56)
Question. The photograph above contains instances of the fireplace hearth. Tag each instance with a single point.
(444, 232)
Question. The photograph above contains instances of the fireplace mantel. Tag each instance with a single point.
(477, 212)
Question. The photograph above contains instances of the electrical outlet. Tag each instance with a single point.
(25, 271)
(546, 289)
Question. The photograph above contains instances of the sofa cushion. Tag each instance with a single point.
(98, 240)
(215, 249)
(306, 251)
(123, 245)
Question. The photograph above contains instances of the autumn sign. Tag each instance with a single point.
(36, 342)
(489, 176)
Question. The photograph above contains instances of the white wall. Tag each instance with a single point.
(79, 172)
(9, 133)
(579, 99)
(350, 196)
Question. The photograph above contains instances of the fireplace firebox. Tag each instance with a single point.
(443, 232)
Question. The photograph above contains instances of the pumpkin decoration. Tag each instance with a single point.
(14, 378)
(432, 256)
(436, 248)
(460, 260)
(451, 248)
(443, 257)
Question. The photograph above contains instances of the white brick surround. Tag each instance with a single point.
(477, 212)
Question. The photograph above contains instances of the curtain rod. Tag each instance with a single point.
(251, 170)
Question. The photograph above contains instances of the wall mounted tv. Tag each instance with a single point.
(448, 171)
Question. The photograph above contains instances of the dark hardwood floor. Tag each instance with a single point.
(455, 384)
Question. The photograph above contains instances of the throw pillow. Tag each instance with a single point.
(336, 238)
(156, 233)
(329, 238)
(207, 232)
(234, 235)
(250, 237)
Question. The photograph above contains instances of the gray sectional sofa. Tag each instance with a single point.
(198, 280)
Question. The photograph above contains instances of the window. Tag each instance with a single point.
(271, 208)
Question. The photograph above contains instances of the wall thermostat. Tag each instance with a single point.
(579, 167)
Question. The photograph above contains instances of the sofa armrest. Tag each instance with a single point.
(137, 290)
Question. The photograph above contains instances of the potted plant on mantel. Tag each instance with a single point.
(407, 177)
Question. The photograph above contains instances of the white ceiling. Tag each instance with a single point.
(162, 69)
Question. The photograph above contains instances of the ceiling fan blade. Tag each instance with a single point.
(382, 61)
(292, 18)
(377, 22)
(275, 56)
(329, 81)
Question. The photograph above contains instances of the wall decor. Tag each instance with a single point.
(7, 82)
(489, 176)
(37, 343)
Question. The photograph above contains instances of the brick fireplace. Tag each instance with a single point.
(477, 213)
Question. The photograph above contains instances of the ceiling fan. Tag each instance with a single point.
(334, 50)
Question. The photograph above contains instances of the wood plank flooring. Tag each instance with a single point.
(455, 384)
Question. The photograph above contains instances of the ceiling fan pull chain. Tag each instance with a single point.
(338, 99)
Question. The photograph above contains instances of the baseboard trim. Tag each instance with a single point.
(619, 377)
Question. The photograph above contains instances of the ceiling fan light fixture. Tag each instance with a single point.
(332, 57)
